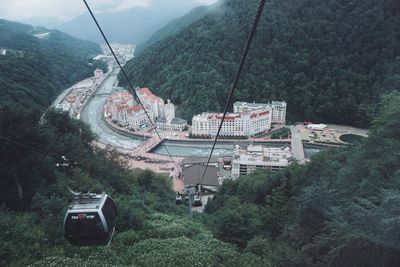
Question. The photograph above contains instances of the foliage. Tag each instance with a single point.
(340, 210)
(330, 60)
(281, 133)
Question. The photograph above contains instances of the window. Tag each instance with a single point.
(109, 211)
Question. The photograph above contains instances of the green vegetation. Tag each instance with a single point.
(151, 230)
(281, 133)
(34, 70)
(330, 60)
(340, 210)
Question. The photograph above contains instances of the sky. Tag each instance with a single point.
(65, 10)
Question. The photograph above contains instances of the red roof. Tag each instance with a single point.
(136, 108)
(146, 93)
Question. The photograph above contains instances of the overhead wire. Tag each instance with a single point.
(236, 80)
(130, 84)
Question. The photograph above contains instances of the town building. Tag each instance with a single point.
(170, 122)
(151, 102)
(243, 124)
(123, 109)
(3, 52)
(316, 127)
(193, 169)
(277, 109)
(79, 94)
(175, 124)
(124, 52)
(246, 161)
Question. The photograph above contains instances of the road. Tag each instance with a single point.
(94, 110)
(297, 145)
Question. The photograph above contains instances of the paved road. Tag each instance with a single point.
(94, 110)
(297, 145)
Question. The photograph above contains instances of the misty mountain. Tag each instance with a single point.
(48, 22)
(128, 26)
(176, 25)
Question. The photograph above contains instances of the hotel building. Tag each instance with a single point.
(246, 161)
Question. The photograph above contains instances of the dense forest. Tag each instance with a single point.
(330, 60)
(34, 70)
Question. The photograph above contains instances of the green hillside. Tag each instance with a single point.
(330, 60)
(176, 25)
(340, 210)
(35, 69)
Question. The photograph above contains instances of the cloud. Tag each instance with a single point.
(66, 9)
(62, 9)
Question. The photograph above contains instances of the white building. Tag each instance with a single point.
(169, 110)
(277, 109)
(169, 122)
(246, 161)
(235, 124)
(3, 52)
(175, 124)
(151, 102)
(122, 108)
(316, 127)
(116, 102)
(136, 117)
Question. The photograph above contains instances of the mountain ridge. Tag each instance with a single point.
(38, 63)
(327, 60)
(134, 25)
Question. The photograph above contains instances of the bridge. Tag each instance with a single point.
(102, 94)
(297, 145)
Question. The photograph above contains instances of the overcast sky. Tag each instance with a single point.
(65, 10)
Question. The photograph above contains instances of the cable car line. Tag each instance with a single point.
(236, 80)
(130, 85)
(34, 149)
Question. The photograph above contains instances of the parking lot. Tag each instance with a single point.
(331, 134)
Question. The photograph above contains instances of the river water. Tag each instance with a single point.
(204, 149)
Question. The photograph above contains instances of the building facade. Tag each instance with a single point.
(123, 109)
(246, 161)
(174, 124)
(246, 123)
(151, 102)
(276, 108)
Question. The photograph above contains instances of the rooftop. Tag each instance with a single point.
(87, 202)
(146, 93)
(193, 174)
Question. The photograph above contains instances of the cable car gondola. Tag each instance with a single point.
(197, 201)
(90, 220)
(178, 200)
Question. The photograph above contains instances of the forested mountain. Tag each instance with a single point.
(39, 63)
(133, 25)
(330, 60)
(176, 25)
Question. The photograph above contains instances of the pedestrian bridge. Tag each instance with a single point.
(102, 94)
